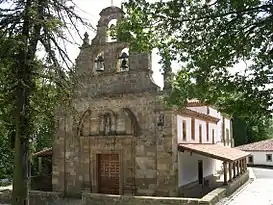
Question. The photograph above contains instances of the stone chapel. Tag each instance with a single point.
(120, 140)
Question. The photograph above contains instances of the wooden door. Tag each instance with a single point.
(108, 173)
(200, 171)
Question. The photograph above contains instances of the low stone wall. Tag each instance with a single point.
(41, 183)
(196, 190)
(5, 197)
(239, 181)
(102, 199)
(45, 198)
(217, 194)
(55, 198)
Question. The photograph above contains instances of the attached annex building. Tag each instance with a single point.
(260, 152)
(122, 140)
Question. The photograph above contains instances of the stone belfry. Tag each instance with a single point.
(106, 66)
(117, 117)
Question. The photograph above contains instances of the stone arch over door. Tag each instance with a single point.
(107, 122)
(88, 124)
(135, 125)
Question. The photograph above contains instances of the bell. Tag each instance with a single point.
(124, 63)
(124, 56)
(99, 64)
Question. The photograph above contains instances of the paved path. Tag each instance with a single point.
(259, 192)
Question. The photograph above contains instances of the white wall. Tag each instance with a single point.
(219, 130)
(180, 131)
(189, 132)
(213, 112)
(259, 158)
(212, 126)
(204, 131)
(188, 167)
(227, 126)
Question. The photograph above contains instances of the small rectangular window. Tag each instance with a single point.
(213, 136)
(207, 131)
(250, 159)
(269, 157)
(193, 129)
(200, 133)
(184, 128)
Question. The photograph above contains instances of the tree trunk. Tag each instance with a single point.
(22, 115)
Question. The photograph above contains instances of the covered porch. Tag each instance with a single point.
(234, 160)
(41, 170)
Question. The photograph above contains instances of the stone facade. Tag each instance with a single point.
(116, 112)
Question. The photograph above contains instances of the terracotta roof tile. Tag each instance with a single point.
(215, 151)
(265, 145)
(44, 152)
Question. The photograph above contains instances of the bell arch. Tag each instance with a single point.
(99, 65)
(135, 125)
(83, 122)
(111, 30)
(123, 60)
(88, 124)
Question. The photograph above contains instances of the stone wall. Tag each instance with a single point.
(46, 198)
(5, 197)
(219, 193)
(238, 181)
(147, 155)
(126, 103)
(57, 198)
(99, 199)
(196, 190)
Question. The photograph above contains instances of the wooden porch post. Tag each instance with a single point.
(242, 166)
(225, 172)
(230, 171)
(238, 170)
(234, 171)
(245, 166)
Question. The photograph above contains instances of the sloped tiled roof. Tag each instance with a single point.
(215, 151)
(264, 145)
(43, 153)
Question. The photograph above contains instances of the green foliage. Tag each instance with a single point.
(43, 123)
(208, 38)
(6, 159)
(31, 85)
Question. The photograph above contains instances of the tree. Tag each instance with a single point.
(207, 38)
(44, 102)
(31, 25)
